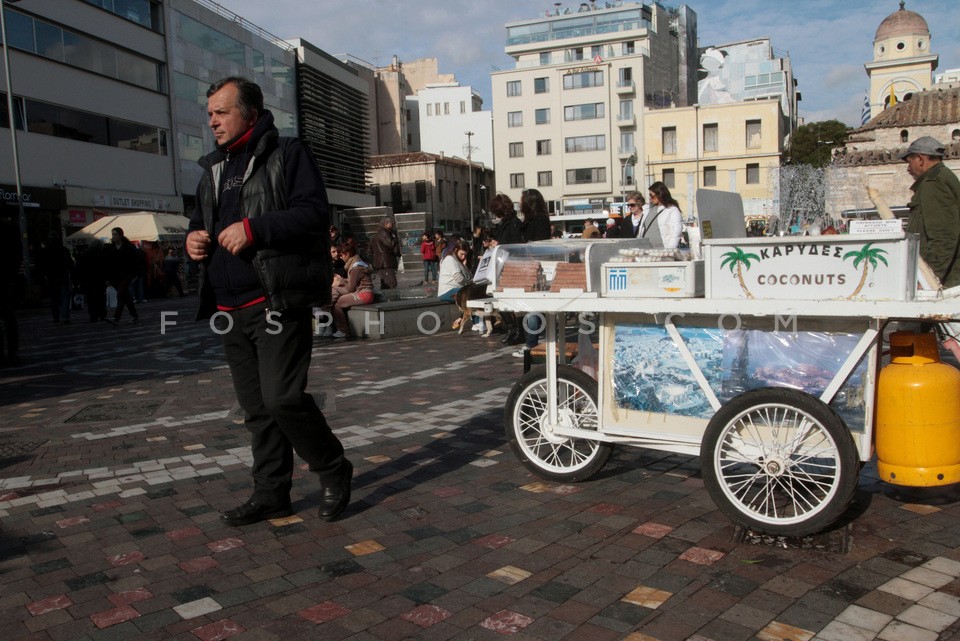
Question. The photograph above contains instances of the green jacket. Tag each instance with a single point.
(935, 215)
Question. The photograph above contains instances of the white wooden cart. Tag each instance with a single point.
(776, 395)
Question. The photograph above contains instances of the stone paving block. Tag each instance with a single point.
(926, 618)
(900, 631)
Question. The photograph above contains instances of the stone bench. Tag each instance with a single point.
(404, 317)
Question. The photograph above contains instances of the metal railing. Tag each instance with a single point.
(246, 24)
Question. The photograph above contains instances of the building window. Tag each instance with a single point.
(584, 112)
(542, 116)
(626, 109)
(51, 41)
(753, 174)
(753, 134)
(429, 110)
(456, 192)
(396, 195)
(626, 143)
(420, 191)
(709, 176)
(463, 106)
(513, 87)
(578, 53)
(143, 12)
(595, 51)
(516, 181)
(409, 140)
(516, 150)
(670, 178)
(585, 143)
(436, 108)
(446, 109)
(544, 179)
(583, 79)
(710, 136)
(72, 124)
(626, 76)
(955, 135)
(543, 147)
(282, 73)
(515, 119)
(541, 85)
(627, 48)
(544, 57)
(586, 176)
(440, 190)
(668, 137)
(375, 192)
(190, 147)
(904, 136)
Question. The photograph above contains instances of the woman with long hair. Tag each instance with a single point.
(355, 289)
(536, 218)
(663, 224)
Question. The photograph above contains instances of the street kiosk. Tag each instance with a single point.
(761, 357)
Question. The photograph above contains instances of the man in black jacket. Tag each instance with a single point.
(122, 266)
(261, 233)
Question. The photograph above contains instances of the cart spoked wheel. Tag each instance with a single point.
(779, 461)
(534, 440)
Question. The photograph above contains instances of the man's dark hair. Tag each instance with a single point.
(119, 230)
(249, 94)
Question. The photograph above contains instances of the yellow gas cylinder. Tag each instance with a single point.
(918, 415)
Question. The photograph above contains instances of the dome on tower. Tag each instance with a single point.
(902, 22)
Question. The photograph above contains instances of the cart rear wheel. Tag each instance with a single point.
(541, 451)
(779, 461)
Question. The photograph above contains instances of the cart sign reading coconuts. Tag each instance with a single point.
(856, 267)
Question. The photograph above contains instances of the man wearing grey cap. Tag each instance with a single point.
(935, 208)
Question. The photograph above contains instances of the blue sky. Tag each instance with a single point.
(828, 41)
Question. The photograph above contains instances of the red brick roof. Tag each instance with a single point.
(413, 158)
(931, 107)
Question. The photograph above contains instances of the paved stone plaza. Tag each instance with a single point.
(120, 446)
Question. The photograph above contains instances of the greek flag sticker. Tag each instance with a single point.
(618, 279)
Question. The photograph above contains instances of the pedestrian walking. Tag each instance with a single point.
(261, 231)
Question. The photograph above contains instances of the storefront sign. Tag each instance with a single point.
(33, 197)
(77, 216)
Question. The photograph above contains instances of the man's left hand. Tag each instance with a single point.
(234, 239)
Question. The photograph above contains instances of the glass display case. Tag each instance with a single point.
(562, 266)
(615, 268)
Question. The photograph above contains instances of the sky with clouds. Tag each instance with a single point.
(828, 41)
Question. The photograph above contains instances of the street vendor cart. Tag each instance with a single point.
(762, 358)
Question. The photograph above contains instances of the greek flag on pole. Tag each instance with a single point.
(865, 114)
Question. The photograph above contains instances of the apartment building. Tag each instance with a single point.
(733, 137)
(568, 117)
(446, 113)
(734, 147)
(110, 105)
(94, 133)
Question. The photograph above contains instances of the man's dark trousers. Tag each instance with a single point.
(269, 362)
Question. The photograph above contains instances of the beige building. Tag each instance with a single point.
(396, 115)
(435, 184)
(871, 156)
(902, 60)
(732, 147)
(569, 115)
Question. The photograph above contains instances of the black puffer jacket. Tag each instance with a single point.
(284, 200)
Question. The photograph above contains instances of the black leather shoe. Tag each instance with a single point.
(253, 511)
(335, 495)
